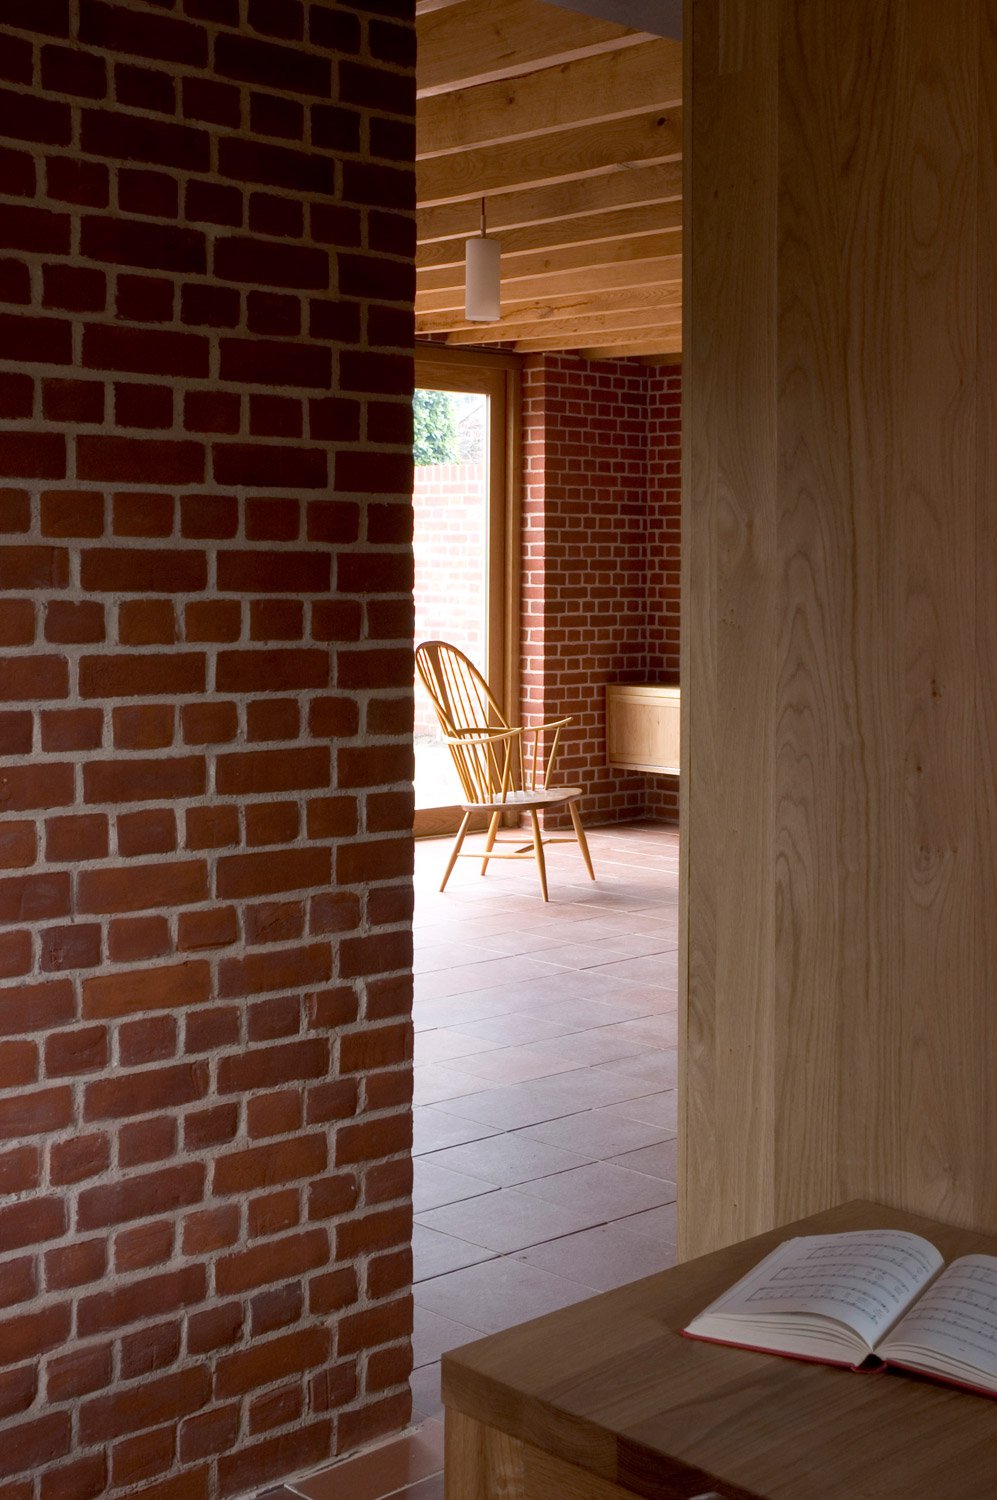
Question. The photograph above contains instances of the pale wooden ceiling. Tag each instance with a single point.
(571, 128)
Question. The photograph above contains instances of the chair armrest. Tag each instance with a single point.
(481, 737)
(554, 724)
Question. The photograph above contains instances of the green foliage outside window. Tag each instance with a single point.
(435, 435)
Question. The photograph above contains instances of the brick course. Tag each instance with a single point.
(205, 683)
(601, 512)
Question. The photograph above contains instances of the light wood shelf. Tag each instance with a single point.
(642, 727)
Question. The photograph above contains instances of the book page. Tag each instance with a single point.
(955, 1319)
(864, 1280)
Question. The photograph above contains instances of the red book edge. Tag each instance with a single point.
(871, 1365)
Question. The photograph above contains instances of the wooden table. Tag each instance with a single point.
(604, 1400)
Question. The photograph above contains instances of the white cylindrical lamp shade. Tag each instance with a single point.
(482, 280)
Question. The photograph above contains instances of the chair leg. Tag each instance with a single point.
(580, 836)
(490, 840)
(538, 850)
(455, 850)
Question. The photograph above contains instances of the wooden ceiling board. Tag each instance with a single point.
(578, 306)
(609, 86)
(587, 229)
(570, 127)
(658, 348)
(630, 187)
(468, 44)
(653, 136)
(611, 253)
(662, 271)
(667, 310)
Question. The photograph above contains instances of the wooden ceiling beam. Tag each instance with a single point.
(667, 350)
(602, 326)
(617, 253)
(634, 187)
(423, 7)
(578, 305)
(588, 229)
(583, 92)
(663, 270)
(461, 46)
(661, 334)
(550, 158)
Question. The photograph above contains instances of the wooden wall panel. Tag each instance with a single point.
(841, 734)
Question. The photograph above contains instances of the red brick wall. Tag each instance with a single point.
(664, 521)
(600, 544)
(451, 540)
(205, 617)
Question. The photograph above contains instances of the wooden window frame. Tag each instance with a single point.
(498, 376)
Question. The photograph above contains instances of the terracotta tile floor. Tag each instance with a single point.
(545, 1077)
(545, 1119)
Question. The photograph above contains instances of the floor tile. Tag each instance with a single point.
(588, 1049)
(600, 1133)
(442, 1045)
(545, 1057)
(509, 1158)
(608, 1192)
(658, 1223)
(588, 1088)
(602, 1258)
(509, 1108)
(433, 1335)
(434, 1185)
(657, 1161)
(432, 1130)
(457, 1010)
(465, 979)
(653, 1109)
(654, 1071)
(434, 1082)
(511, 1219)
(431, 1488)
(500, 1293)
(650, 1031)
(425, 1387)
(434, 1254)
(383, 1470)
(514, 1030)
(446, 955)
(515, 1065)
(640, 970)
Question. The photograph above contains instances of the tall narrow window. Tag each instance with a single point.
(466, 557)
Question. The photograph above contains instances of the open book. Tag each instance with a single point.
(876, 1294)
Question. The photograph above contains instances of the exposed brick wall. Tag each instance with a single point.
(600, 549)
(451, 540)
(205, 618)
(664, 528)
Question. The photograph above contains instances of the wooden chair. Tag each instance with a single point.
(502, 768)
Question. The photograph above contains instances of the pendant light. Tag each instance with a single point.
(482, 277)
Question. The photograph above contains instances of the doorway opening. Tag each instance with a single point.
(466, 505)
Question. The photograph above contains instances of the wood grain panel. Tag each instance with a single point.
(729, 1094)
(840, 954)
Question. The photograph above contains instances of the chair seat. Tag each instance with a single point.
(538, 797)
